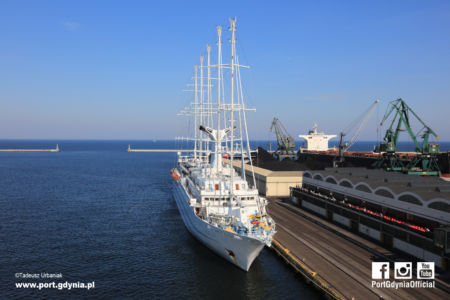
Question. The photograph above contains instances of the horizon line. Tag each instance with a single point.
(166, 139)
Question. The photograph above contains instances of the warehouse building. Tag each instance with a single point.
(405, 212)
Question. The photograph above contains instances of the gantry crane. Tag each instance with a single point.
(285, 141)
(354, 128)
(425, 160)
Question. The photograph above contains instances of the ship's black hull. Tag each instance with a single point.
(318, 161)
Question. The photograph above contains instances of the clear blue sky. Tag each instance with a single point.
(116, 69)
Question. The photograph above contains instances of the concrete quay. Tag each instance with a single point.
(338, 265)
(157, 150)
(31, 150)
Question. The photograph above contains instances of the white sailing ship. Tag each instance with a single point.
(218, 206)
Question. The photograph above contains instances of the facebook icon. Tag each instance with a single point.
(380, 270)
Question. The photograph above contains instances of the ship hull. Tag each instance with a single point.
(237, 249)
(320, 161)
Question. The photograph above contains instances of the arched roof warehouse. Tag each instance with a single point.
(421, 195)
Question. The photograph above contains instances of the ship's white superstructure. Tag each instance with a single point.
(218, 206)
(317, 140)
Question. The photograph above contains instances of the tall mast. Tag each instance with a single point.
(195, 112)
(208, 51)
(240, 102)
(233, 42)
(219, 70)
(201, 104)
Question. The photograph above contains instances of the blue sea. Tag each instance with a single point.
(96, 213)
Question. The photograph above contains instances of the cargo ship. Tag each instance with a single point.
(404, 212)
(320, 159)
(426, 159)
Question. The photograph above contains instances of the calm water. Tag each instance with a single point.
(94, 212)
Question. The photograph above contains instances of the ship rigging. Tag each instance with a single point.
(216, 203)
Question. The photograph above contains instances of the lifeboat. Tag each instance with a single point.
(174, 174)
(229, 229)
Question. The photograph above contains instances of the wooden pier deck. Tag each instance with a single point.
(338, 267)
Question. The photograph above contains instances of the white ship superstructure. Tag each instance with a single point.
(218, 206)
(317, 140)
